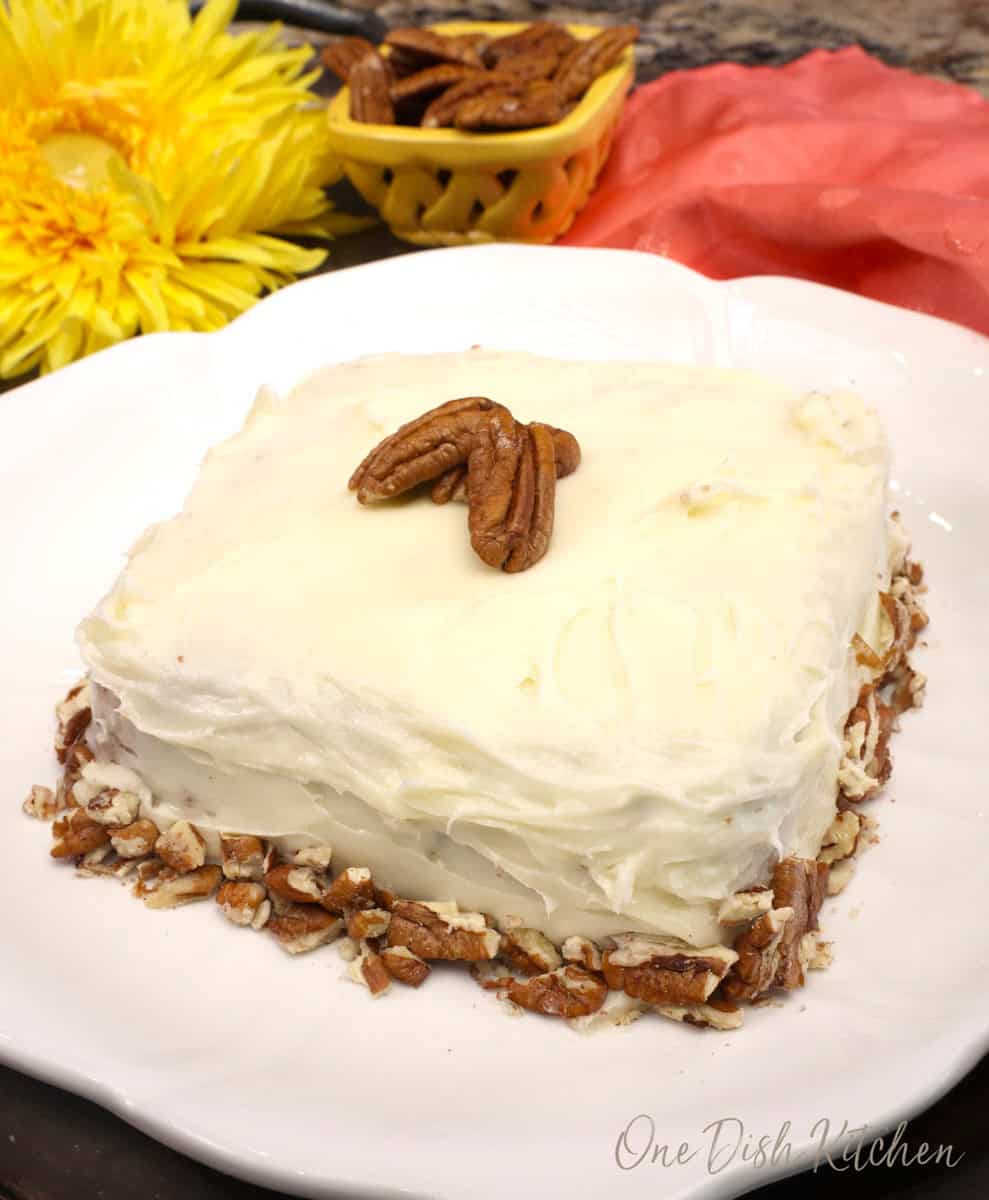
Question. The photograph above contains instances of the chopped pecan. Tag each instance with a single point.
(384, 898)
(566, 992)
(528, 951)
(426, 45)
(110, 806)
(583, 951)
(182, 847)
(403, 965)
(103, 862)
(111, 794)
(300, 885)
(866, 764)
(759, 952)
(433, 936)
(302, 927)
(368, 923)
(370, 81)
(352, 888)
(74, 714)
(78, 756)
(244, 903)
(492, 975)
(540, 103)
(135, 840)
(341, 56)
(841, 838)
(317, 857)
(42, 803)
(243, 856)
(745, 906)
(587, 60)
(369, 970)
(815, 955)
(865, 656)
(168, 888)
(430, 81)
(799, 886)
(647, 968)
(909, 687)
(65, 787)
(421, 449)
(902, 635)
(347, 948)
(77, 833)
(713, 1015)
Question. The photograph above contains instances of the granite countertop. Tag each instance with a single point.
(54, 1146)
(946, 38)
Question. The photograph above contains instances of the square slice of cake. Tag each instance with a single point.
(615, 742)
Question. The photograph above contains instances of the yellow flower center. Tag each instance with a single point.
(81, 160)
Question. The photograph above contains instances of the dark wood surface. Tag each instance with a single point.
(56, 1146)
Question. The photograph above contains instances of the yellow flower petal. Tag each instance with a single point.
(212, 146)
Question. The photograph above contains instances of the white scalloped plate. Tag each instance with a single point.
(273, 1069)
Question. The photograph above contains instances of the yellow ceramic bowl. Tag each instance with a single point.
(441, 187)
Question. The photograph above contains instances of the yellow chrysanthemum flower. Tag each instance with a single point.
(145, 161)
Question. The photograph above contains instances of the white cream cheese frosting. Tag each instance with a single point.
(618, 738)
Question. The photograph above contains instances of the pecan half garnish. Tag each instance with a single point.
(342, 56)
(425, 44)
(511, 492)
(543, 36)
(587, 60)
(452, 484)
(540, 103)
(421, 449)
(443, 109)
(431, 80)
(535, 64)
(370, 83)
(511, 473)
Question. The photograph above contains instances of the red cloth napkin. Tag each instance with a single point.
(834, 168)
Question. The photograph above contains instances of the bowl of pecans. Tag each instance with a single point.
(476, 131)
